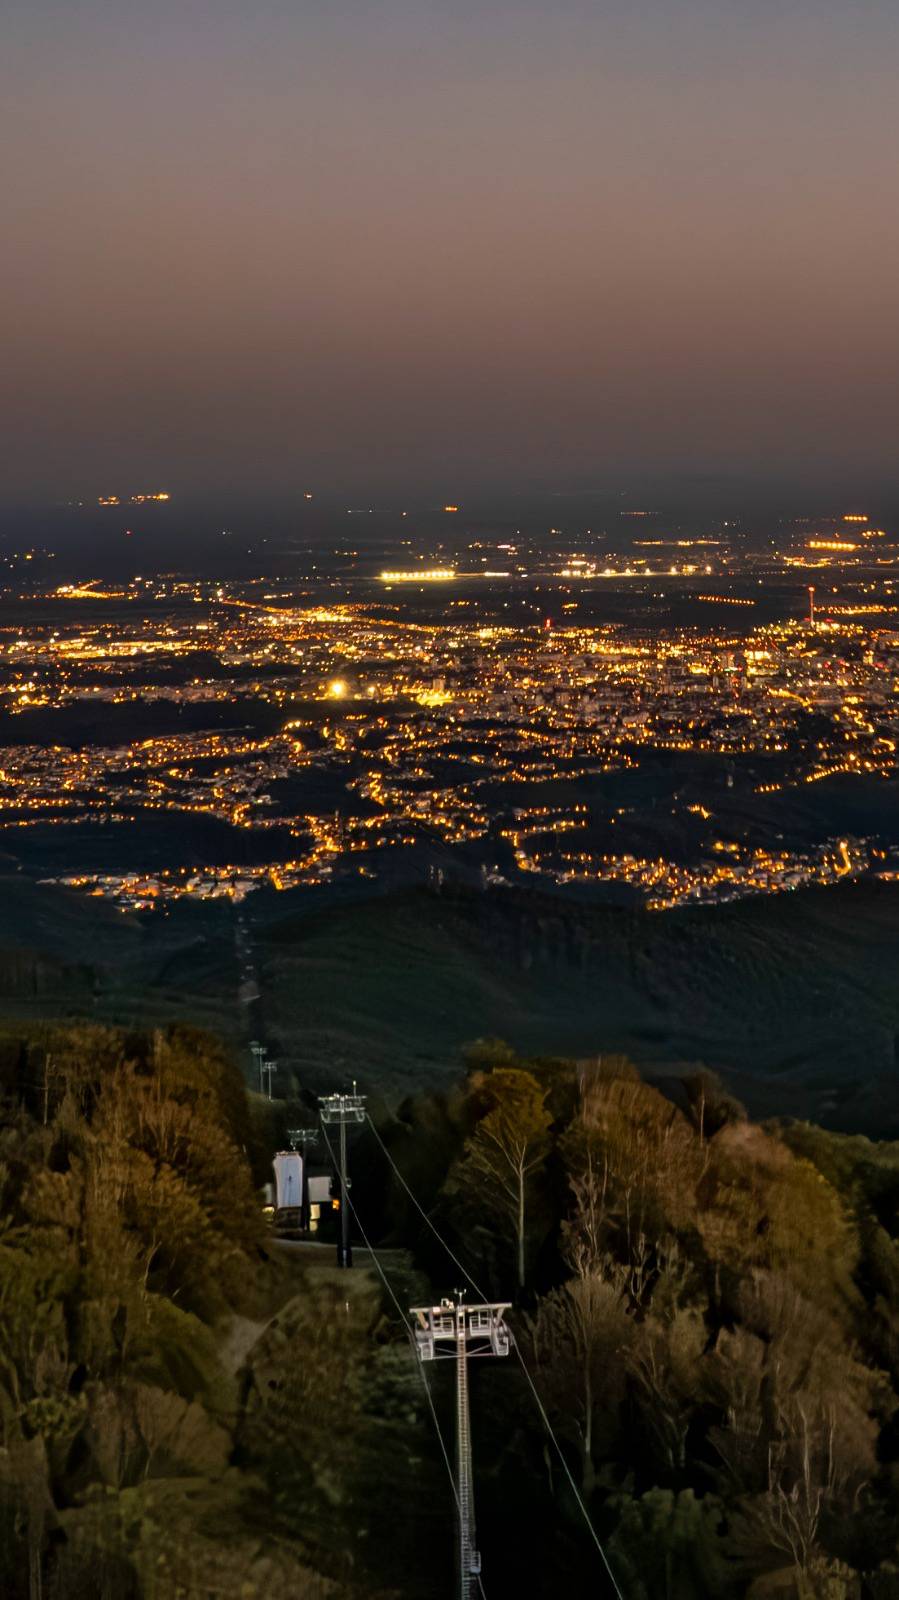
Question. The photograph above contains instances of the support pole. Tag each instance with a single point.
(343, 1109)
(305, 1138)
(464, 1485)
(455, 1330)
(258, 1052)
(344, 1249)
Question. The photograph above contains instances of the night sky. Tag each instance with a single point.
(452, 245)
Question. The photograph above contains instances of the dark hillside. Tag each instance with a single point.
(795, 998)
(70, 954)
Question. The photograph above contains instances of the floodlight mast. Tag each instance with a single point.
(306, 1138)
(343, 1108)
(258, 1053)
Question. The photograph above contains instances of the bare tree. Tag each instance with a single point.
(505, 1154)
(578, 1340)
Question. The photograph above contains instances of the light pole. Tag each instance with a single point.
(305, 1138)
(258, 1053)
(269, 1067)
(343, 1108)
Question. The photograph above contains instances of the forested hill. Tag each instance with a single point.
(794, 998)
(705, 1307)
(183, 1415)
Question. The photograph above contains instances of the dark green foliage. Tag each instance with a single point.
(719, 1352)
(130, 1230)
(334, 1422)
(669, 1546)
(709, 1309)
(163, 1436)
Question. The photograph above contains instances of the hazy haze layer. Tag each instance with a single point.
(447, 244)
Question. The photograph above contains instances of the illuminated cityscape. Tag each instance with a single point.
(449, 801)
(474, 710)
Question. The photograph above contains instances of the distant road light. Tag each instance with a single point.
(419, 575)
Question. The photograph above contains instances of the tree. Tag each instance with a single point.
(129, 1225)
(505, 1154)
(482, 1055)
(578, 1340)
(763, 1207)
(670, 1546)
(634, 1164)
(797, 1444)
(710, 1105)
(665, 1364)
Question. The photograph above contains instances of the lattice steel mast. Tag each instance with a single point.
(455, 1331)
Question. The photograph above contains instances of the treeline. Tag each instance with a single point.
(709, 1309)
(181, 1415)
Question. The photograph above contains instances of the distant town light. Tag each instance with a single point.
(418, 575)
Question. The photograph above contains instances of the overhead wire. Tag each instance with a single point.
(516, 1347)
(411, 1337)
(365, 1239)
(422, 1212)
(568, 1473)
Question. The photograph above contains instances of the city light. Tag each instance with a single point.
(418, 575)
(440, 721)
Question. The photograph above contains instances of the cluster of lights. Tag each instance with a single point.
(831, 544)
(132, 499)
(430, 717)
(417, 575)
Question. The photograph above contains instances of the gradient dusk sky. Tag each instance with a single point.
(447, 243)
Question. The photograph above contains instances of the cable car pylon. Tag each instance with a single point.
(455, 1331)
